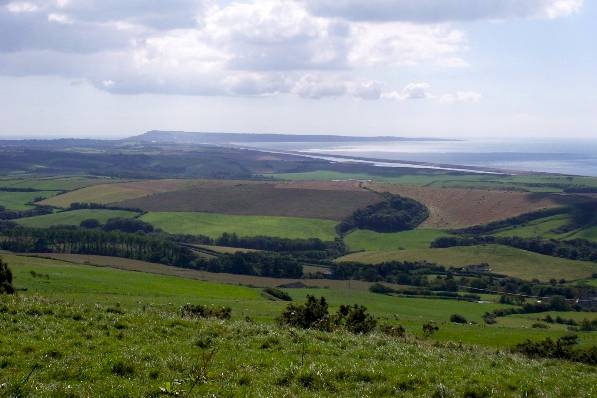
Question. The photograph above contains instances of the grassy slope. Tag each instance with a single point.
(19, 200)
(61, 322)
(370, 240)
(215, 224)
(73, 217)
(83, 350)
(502, 259)
(85, 284)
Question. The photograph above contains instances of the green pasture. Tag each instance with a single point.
(501, 259)
(74, 217)
(370, 240)
(19, 200)
(214, 225)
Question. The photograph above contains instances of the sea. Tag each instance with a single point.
(571, 157)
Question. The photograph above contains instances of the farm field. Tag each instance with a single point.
(501, 259)
(542, 227)
(54, 183)
(19, 200)
(451, 180)
(453, 208)
(589, 233)
(116, 192)
(234, 279)
(214, 225)
(370, 240)
(325, 201)
(73, 217)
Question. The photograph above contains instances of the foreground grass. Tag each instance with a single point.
(371, 240)
(214, 225)
(89, 285)
(502, 260)
(73, 217)
(99, 350)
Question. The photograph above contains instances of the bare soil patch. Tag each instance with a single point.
(455, 207)
(264, 199)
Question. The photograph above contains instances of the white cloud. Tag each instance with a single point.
(426, 11)
(422, 90)
(18, 7)
(194, 47)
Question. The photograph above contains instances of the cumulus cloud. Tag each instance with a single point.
(311, 49)
(426, 11)
(422, 90)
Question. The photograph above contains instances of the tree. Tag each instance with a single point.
(90, 223)
(5, 279)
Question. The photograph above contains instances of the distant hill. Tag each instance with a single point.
(157, 136)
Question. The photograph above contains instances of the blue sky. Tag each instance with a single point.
(437, 68)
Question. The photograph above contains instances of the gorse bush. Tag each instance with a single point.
(277, 294)
(314, 314)
(204, 311)
(457, 318)
(562, 348)
(5, 279)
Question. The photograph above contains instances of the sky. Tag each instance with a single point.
(485, 69)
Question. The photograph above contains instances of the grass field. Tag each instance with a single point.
(502, 259)
(524, 182)
(370, 240)
(86, 350)
(89, 285)
(73, 217)
(544, 227)
(19, 200)
(54, 183)
(538, 228)
(214, 225)
(587, 233)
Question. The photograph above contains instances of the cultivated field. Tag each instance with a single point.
(452, 208)
(54, 183)
(116, 192)
(73, 217)
(19, 200)
(501, 259)
(266, 199)
(214, 225)
(362, 239)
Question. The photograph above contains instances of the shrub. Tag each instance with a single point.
(562, 348)
(90, 223)
(457, 318)
(311, 315)
(381, 289)
(130, 225)
(539, 325)
(277, 293)
(314, 314)
(5, 279)
(203, 311)
(429, 328)
(393, 330)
